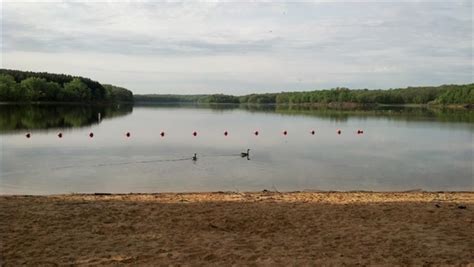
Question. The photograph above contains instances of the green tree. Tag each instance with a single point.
(77, 90)
(8, 88)
(115, 93)
(34, 88)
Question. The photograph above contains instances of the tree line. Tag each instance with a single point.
(442, 95)
(26, 86)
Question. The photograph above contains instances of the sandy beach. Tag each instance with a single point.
(229, 228)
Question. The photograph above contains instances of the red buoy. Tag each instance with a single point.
(127, 134)
(313, 132)
(339, 131)
(195, 133)
(285, 132)
(28, 135)
(226, 133)
(60, 135)
(162, 134)
(256, 133)
(91, 135)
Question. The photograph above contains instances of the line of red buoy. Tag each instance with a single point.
(226, 133)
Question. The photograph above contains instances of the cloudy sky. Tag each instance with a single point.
(243, 47)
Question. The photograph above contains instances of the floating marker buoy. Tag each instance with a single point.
(256, 133)
(285, 132)
(91, 135)
(313, 132)
(226, 133)
(127, 134)
(195, 133)
(60, 135)
(339, 131)
(162, 134)
(28, 135)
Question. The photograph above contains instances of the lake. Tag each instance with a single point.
(400, 149)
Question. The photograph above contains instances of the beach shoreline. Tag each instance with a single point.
(225, 228)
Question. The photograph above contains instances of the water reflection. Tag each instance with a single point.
(389, 112)
(40, 117)
(402, 113)
(401, 149)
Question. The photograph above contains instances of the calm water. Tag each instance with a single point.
(401, 149)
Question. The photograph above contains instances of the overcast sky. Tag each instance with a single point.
(240, 48)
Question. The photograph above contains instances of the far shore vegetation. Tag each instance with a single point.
(25, 86)
(455, 95)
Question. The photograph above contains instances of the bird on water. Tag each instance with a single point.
(194, 157)
(243, 154)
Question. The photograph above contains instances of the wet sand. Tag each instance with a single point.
(225, 228)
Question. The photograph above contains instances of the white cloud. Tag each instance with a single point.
(243, 47)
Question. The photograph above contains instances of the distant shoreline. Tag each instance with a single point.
(27, 86)
(335, 105)
(216, 195)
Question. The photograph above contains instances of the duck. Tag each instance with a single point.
(243, 154)
(194, 158)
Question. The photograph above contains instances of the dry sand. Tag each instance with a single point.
(266, 228)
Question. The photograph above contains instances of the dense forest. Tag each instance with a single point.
(441, 95)
(445, 94)
(26, 86)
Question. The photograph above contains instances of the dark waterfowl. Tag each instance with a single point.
(243, 154)
(194, 157)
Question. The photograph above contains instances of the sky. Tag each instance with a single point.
(243, 47)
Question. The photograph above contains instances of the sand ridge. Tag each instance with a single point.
(334, 197)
